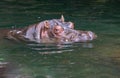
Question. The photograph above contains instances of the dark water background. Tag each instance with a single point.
(97, 59)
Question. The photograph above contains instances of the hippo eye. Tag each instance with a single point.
(58, 29)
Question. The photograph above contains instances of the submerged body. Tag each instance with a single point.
(55, 30)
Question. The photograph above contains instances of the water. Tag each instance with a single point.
(97, 59)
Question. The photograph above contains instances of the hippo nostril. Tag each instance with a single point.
(79, 35)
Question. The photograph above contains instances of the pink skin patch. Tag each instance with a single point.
(57, 31)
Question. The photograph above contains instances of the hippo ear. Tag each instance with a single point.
(71, 25)
(46, 23)
(62, 18)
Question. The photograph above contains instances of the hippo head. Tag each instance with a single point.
(65, 32)
(58, 26)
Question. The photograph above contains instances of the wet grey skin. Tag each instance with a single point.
(33, 33)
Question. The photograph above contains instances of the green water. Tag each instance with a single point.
(97, 59)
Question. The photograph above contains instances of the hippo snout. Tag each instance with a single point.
(92, 35)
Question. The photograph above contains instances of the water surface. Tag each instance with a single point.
(97, 59)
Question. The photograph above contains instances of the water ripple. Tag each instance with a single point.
(58, 48)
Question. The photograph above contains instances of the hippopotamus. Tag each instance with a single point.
(55, 30)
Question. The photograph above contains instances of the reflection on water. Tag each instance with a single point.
(3, 67)
(57, 48)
